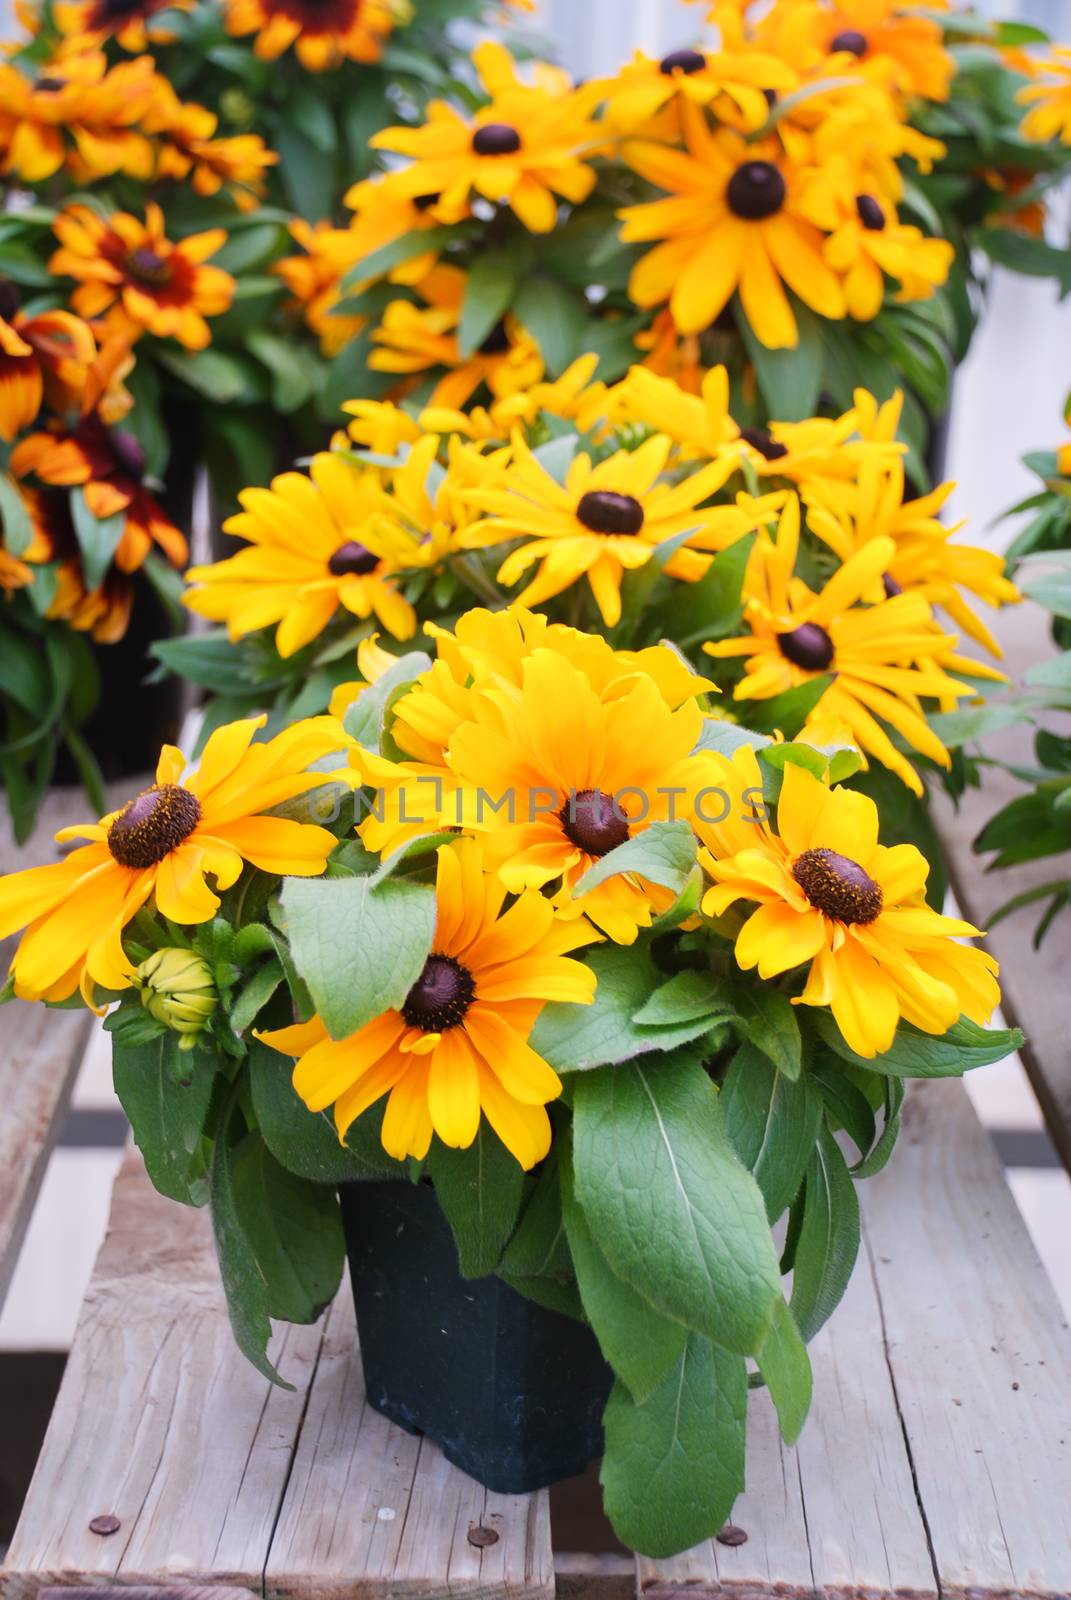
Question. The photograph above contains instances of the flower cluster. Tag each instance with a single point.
(840, 571)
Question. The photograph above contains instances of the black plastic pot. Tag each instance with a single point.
(512, 1392)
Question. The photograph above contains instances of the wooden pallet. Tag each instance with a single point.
(937, 1461)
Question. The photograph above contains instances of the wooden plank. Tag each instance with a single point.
(162, 1425)
(980, 1354)
(837, 1515)
(1034, 982)
(373, 1511)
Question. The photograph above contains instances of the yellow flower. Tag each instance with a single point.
(412, 339)
(1050, 114)
(323, 35)
(162, 843)
(731, 222)
(145, 281)
(521, 149)
(458, 1047)
(830, 897)
(848, 514)
(605, 520)
(882, 657)
(189, 148)
(314, 543)
(891, 42)
(87, 24)
(733, 84)
(314, 280)
(77, 112)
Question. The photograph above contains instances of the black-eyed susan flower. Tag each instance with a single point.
(323, 33)
(458, 1049)
(132, 24)
(730, 223)
(606, 519)
(882, 658)
(103, 611)
(848, 513)
(313, 544)
(188, 149)
(523, 148)
(892, 40)
(314, 280)
(146, 282)
(1049, 99)
(108, 464)
(414, 338)
(162, 844)
(738, 86)
(46, 356)
(80, 113)
(830, 897)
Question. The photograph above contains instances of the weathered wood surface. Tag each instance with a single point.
(39, 1056)
(936, 1462)
(1034, 982)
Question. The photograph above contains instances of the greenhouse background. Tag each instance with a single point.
(1008, 395)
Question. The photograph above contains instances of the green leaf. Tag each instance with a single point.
(479, 1190)
(786, 1368)
(24, 675)
(97, 540)
(768, 1019)
(292, 1228)
(167, 1093)
(642, 1346)
(675, 1463)
(243, 1283)
(665, 853)
(712, 608)
(556, 319)
(254, 996)
(248, 247)
(209, 659)
(828, 1242)
(676, 1214)
(305, 1142)
(574, 1038)
(309, 179)
(489, 290)
(293, 375)
(915, 1054)
(790, 380)
(14, 517)
(364, 719)
(786, 713)
(360, 948)
(772, 1123)
(686, 997)
(216, 374)
(538, 1248)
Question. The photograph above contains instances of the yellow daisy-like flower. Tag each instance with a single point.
(80, 113)
(522, 149)
(162, 844)
(324, 33)
(315, 543)
(731, 222)
(553, 761)
(412, 339)
(829, 896)
(848, 514)
(882, 658)
(605, 519)
(739, 87)
(146, 282)
(1050, 102)
(458, 1047)
(891, 41)
(131, 23)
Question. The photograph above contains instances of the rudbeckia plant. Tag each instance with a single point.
(546, 991)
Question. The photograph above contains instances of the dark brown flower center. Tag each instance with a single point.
(153, 824)
(852, 41)
(808, 646)
(497, 341)
(128, 453)
(352, 557)
(496, 139)
(10, 299)
(688, 61)
(440, 997)
(51, 85)
(148, 266)
(592, 820)
(756, 190)
(890, 585)
(771, 448)
(838, 886)
(603, 511)
(424, 202)
(770, 96)
(870, 213)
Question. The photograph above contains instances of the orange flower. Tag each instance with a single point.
(323, 32)
(128, 22)
(77, 112)
(190, 149)
(45, 358)
(103, 612)
(145, 281)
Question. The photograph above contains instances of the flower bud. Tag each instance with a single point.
(178, 990)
